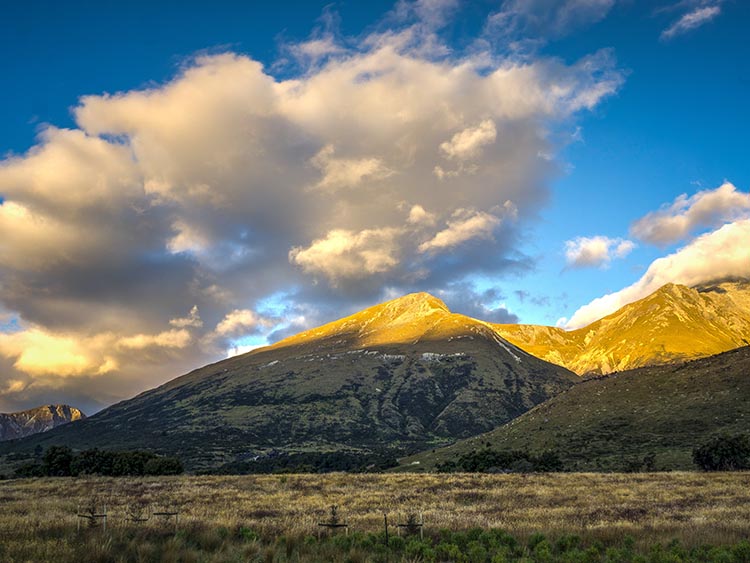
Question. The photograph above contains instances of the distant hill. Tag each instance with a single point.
(672, 324)
(401, 376)
(33, 421)
(609, 423)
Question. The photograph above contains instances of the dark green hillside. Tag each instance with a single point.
(612, 423)
(400, 377)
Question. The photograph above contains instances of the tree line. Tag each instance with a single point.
(61, 461)
(720, 453)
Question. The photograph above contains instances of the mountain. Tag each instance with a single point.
(612, 422)
(674, 323)
(401, 376)
(33, 421)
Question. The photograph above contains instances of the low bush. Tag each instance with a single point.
(724, 453)
(488, 460)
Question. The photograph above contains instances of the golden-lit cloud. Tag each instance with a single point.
(468, 144)
(175, 338)
(37, 352)
(344, 254)
(341, 173)
(419, 216)
(240, 322)
(464, 225)
(193, 319)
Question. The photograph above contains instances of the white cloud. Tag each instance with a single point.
(691, 20)
(316, 49)
(419, 216)
(187, 239)
(597, 251)
(434, 13)
(340, 173)
(347, 254)
(468, 144)
(525, 24)
(705, 209)
(193, 319)
(175, 338)
(465, 225)
(464, 148)
(240, 322)
(724, 253)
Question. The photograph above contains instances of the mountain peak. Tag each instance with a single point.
(404, 319)
(417, 303)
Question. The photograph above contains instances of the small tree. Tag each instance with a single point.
(724, 453)
(548, 461)
(649, 462)
(163, 466)
(57, 460)
(413, 523)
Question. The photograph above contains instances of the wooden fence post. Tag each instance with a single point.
(385, 521)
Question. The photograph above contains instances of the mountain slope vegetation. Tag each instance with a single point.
(616, 421)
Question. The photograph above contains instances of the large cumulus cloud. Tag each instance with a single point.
(168, 214)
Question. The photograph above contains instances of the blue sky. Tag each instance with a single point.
(198, 249)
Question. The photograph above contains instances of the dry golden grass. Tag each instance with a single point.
(695, 508)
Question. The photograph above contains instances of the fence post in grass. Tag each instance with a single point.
(334, 521)
(385, 522)
(92, 516)
(167, 514)
(134, 513)
(412, 524)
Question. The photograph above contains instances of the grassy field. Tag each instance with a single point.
(274, 517)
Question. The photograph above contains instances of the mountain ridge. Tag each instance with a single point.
(399, 376)
(683, 323)
(39, 419)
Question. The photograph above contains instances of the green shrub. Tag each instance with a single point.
(417, 548)
(397, 543)
(248, 535)
(534, 540)
(724, 453)
(449, 552)
(741, 552)
(476, 552)
(567, 543)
